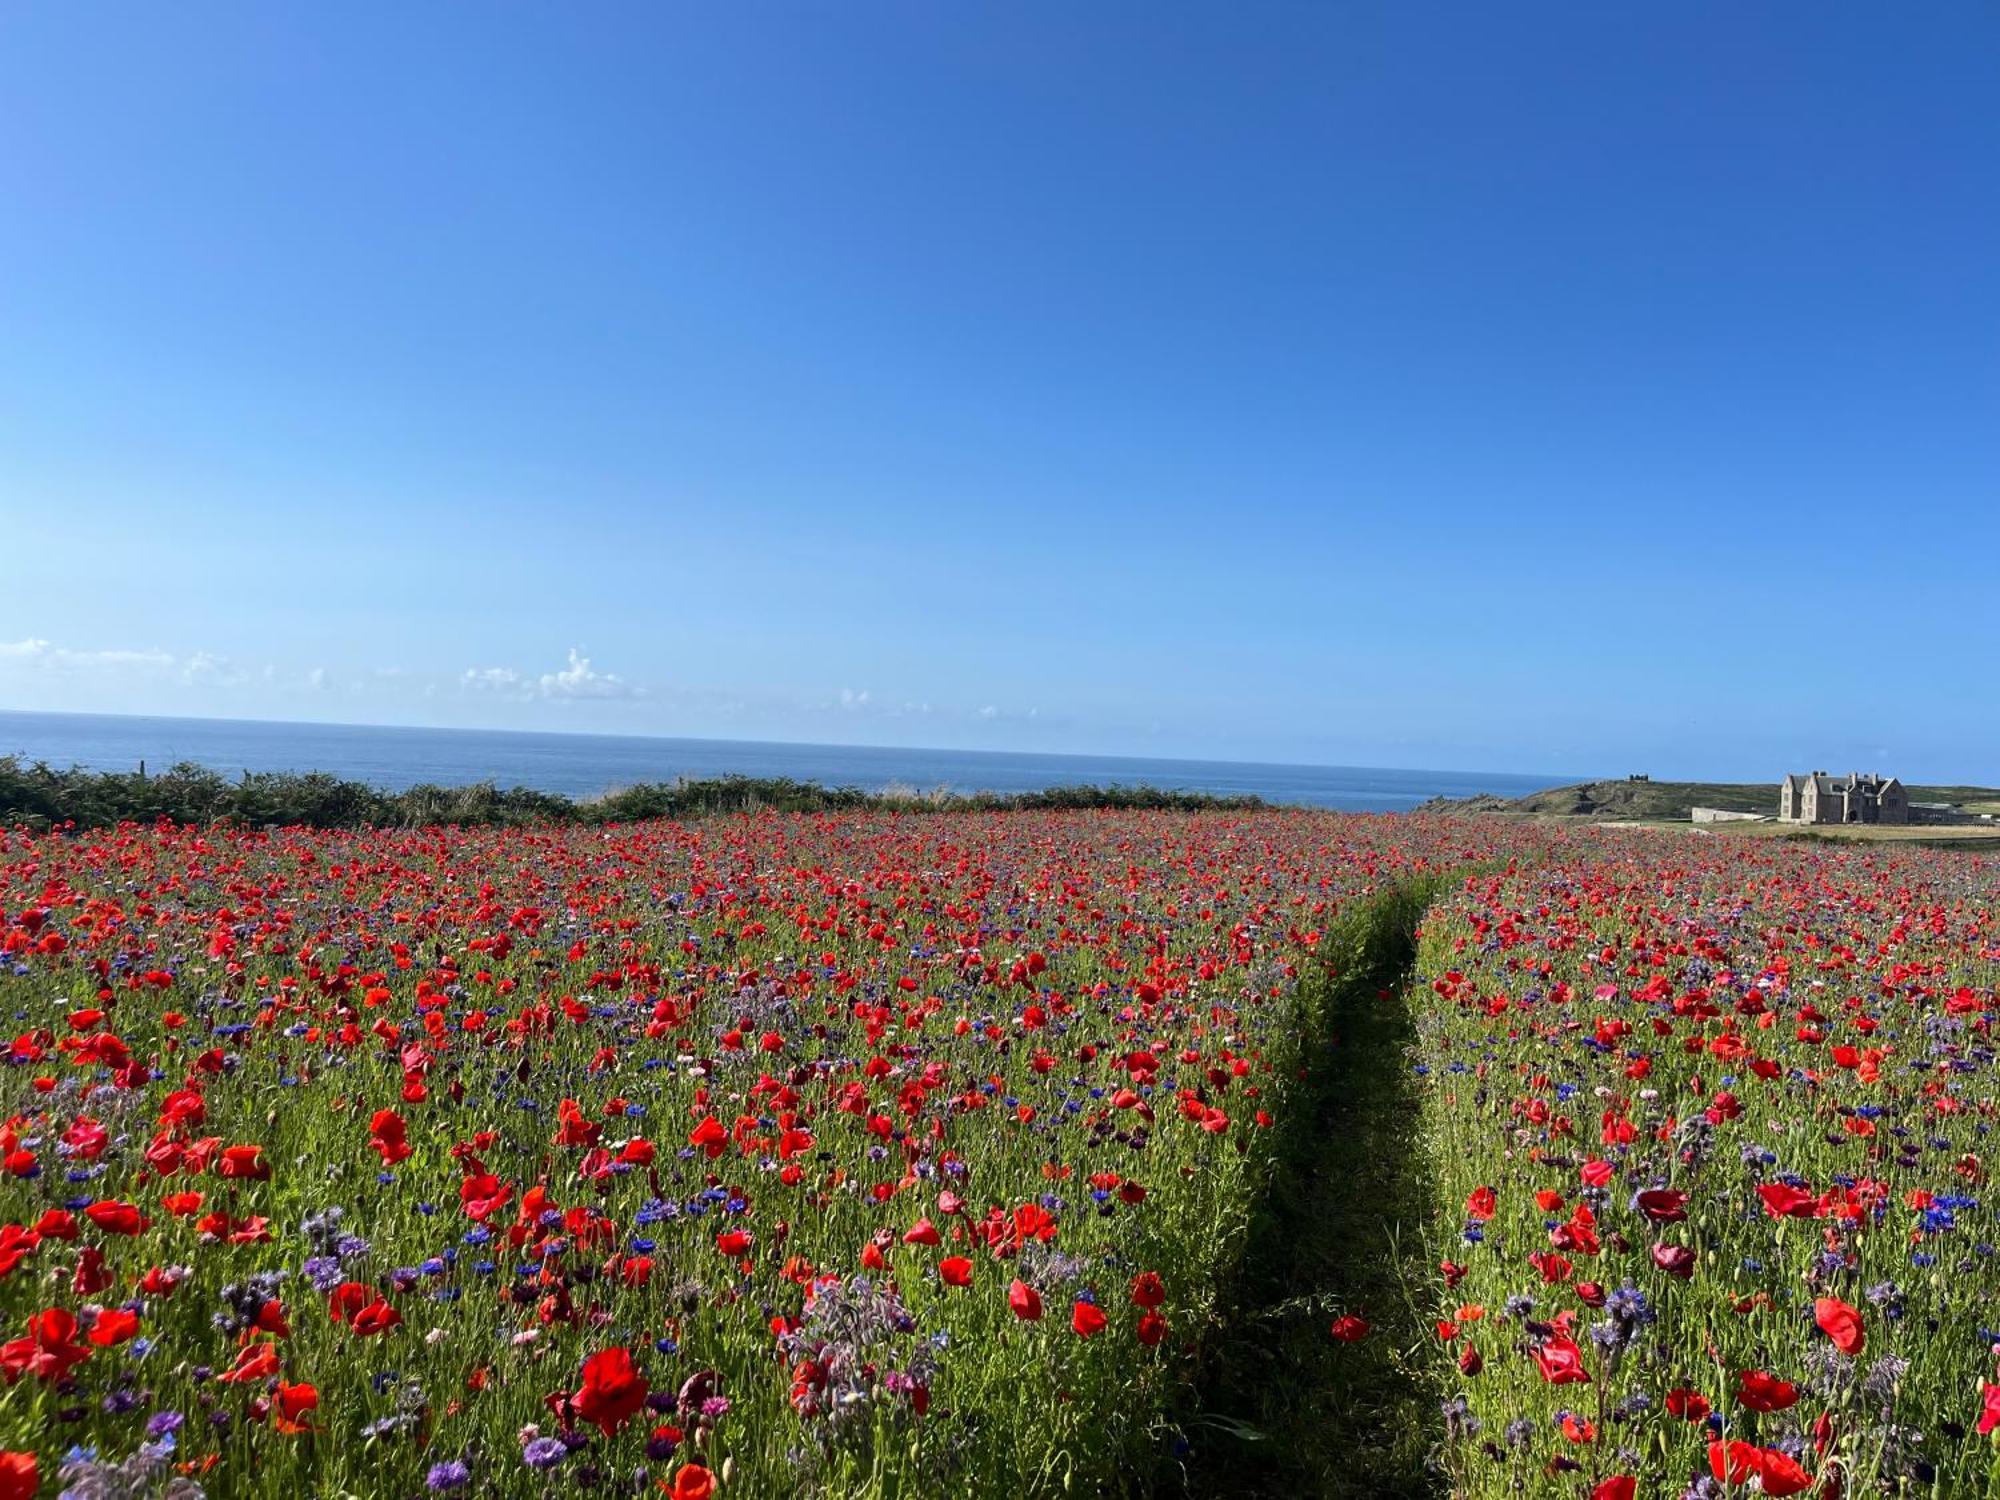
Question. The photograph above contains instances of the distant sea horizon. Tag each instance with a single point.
(393, 758)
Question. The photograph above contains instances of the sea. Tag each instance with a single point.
(584, 765)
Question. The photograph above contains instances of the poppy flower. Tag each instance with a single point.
(115, 1217)
(1663, 1205)
(243, 1164)
(1152, 1328)
(1780, 1474)
(389, 1136)
(1024, 1301)
(955, 1270)
(90, 1276)
(48, 1352)
(292, 1404)
(1561, 1361)
(1689, 1406)
(1840, 1323)
(377, 1317)
(1676, 1260)
(20, 1475)
(693, 1482)
(113, 1326)
(1732, 1462)
(1758, 1390)
(1350, 1329)
(1087, 1318)
(1989, 1408)
(1481, 1203)
(254, 1362)
(613, 1392)
(1148, 1290)
(1783, 1201)
(1617, 1487)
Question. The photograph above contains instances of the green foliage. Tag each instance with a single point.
(40, 796)
(1342, 1226)
(1670, 801)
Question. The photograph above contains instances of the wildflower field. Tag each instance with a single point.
(933, 1154)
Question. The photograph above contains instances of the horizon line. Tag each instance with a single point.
(1554, 778)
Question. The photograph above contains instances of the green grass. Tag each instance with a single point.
(1675, 801)
(1284, 1408)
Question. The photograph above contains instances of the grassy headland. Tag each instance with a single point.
(40, 796)
(1625, 801)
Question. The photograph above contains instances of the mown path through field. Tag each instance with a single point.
(1283, 1407)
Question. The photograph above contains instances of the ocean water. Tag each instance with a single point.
(583, 765)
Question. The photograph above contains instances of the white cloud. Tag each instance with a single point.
(578, 680)
(36, 651)
(989, 712)
(316, 678)
(849, 699)
(206, 667)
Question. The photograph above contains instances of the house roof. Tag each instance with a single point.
(1861, 781)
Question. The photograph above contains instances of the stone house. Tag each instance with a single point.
(1854, 798)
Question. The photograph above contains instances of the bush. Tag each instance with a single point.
(40, 796)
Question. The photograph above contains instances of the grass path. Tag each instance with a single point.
(1283, 1407)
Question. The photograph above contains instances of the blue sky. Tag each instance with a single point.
(1525, 387)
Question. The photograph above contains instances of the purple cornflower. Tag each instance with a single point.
(545, 1453)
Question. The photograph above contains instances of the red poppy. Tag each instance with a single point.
(1989, 1408)
(1840, 1323)
(1689, 1406)
(1148, 1290)
(1481, 1203)
(293, 1402)
(90, 1276)
(1087, 1318)
(1783, 1201)
(377, 1317)
(923, 1232)
(955, 1270)
(613, 1391)
(1617, 1487)
(1024, 1301)
(693, 1482)
(1780, 1474)
(388, 1134)
(1732, 1462)
(115, 1217)
(1759, 1391)
(113, 1326)
(1663, 1205)
(20, 1475)
(243, 1164)
(254, 1362)
(1350, 1329)
(1152, 1328)
(1676, 1260)
(48, 1352)
(1561, 1362)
